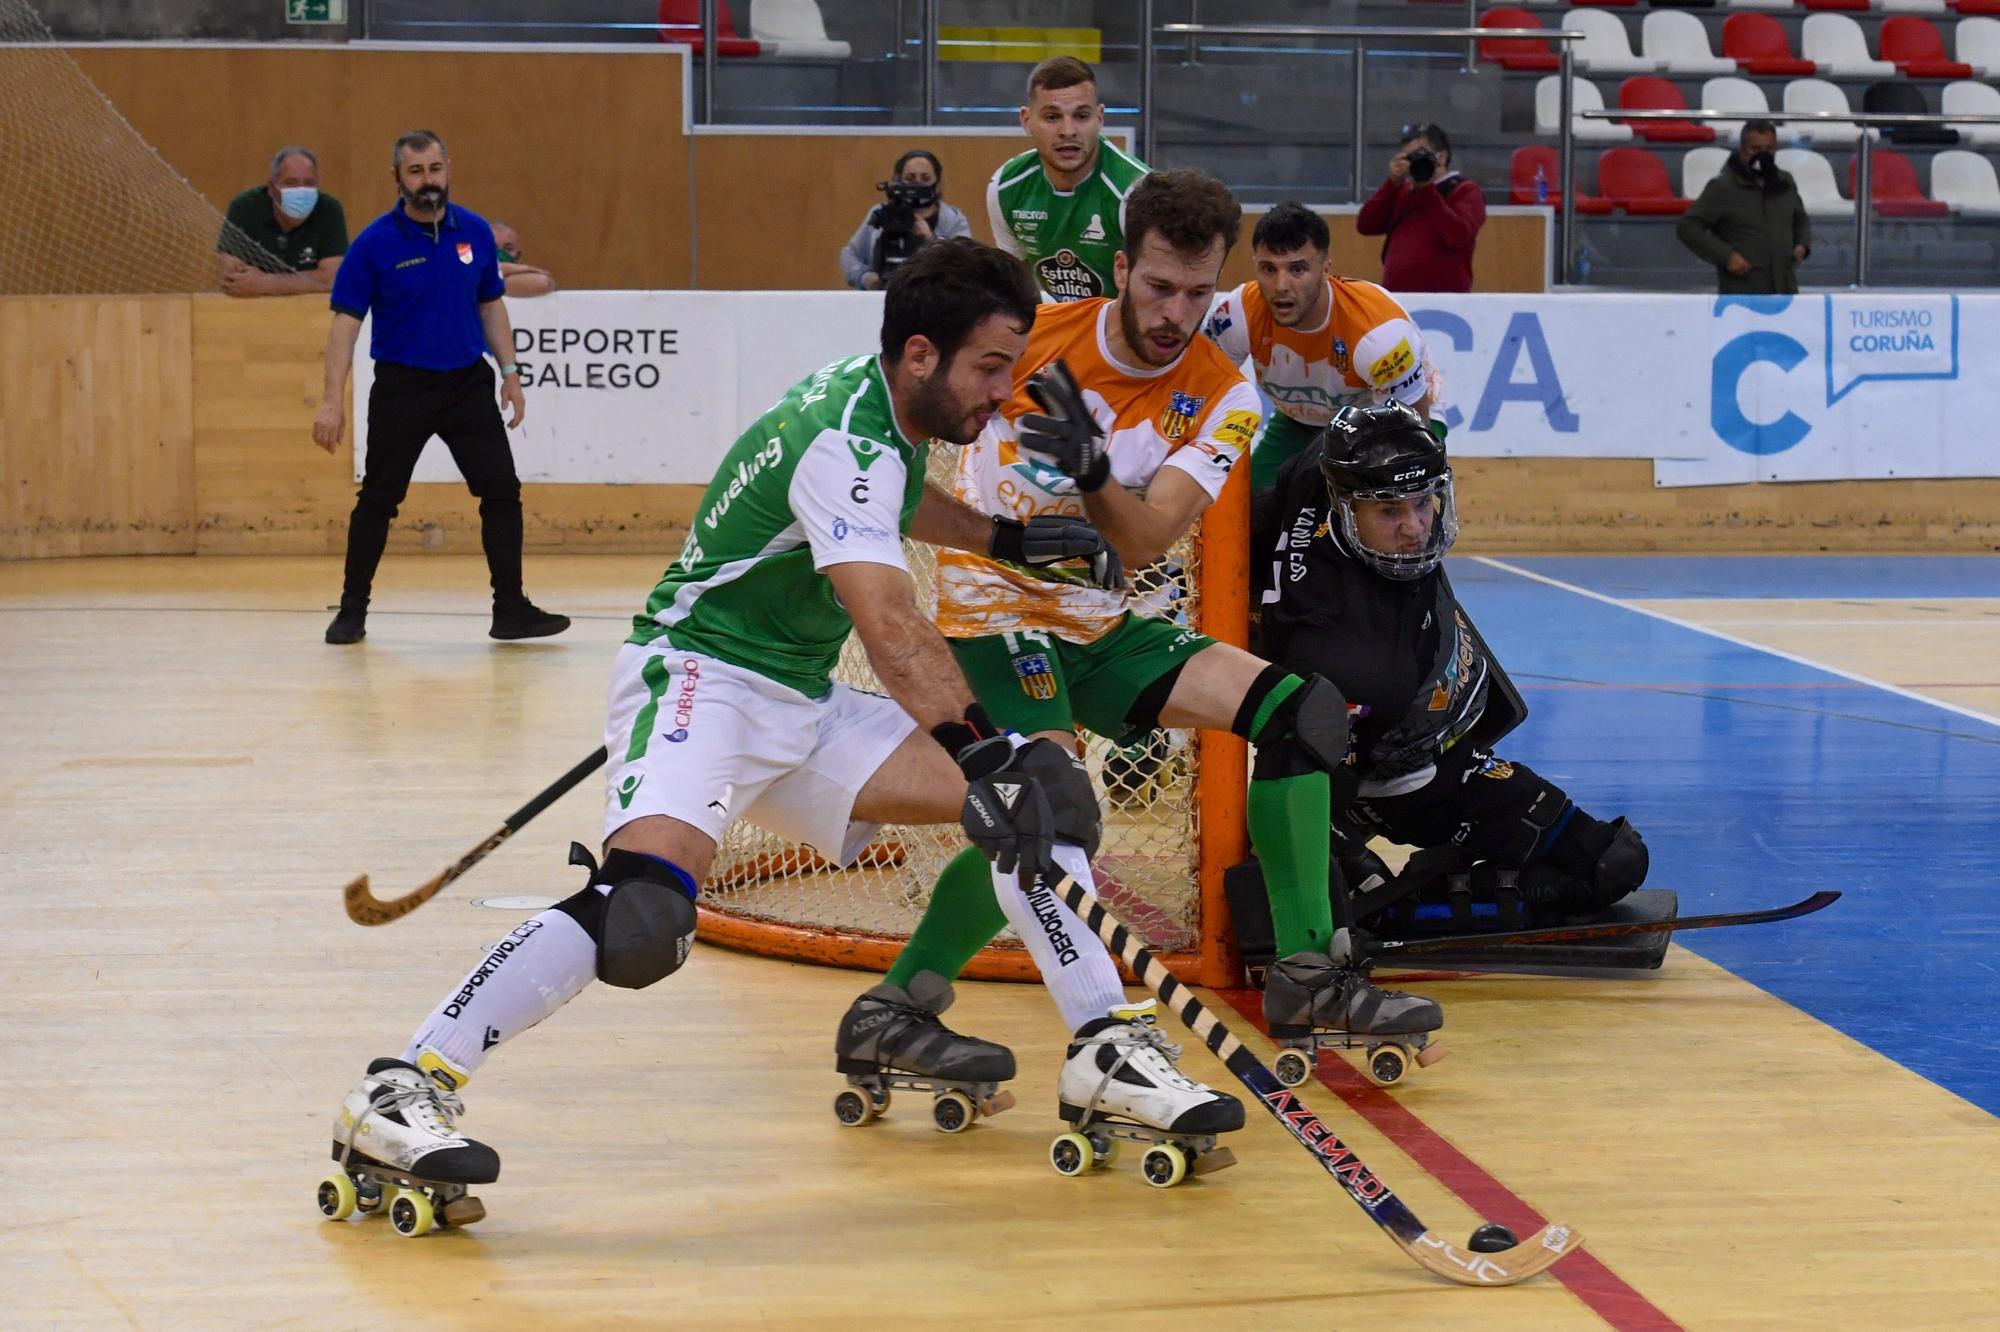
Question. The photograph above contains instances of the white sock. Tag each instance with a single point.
(536, 969)
(1074, 962)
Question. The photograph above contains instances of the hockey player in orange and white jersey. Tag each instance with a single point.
(1125, 414)
(1319, 343)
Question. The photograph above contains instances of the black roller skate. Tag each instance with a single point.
(891, 1039)
(1316, 1001)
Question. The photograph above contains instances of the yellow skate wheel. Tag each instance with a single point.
(1387, 1064)
(1292, 1067)
(336, 1197)
(1071, 1154)
(853, 1109)
(411, 1213)
(952, 1112)
(1164, 1166)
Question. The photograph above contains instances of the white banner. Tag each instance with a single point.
(637, 387)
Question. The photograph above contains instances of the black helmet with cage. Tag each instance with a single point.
(1388, 454)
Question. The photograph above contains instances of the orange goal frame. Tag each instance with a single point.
(1221, 781)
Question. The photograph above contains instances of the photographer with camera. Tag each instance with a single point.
(1429, 213)
(910, 217)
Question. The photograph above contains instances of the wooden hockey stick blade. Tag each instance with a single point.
(1388, 949)
(364, 908)
(1462, 1266)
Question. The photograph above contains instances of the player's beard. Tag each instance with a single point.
(1135, 338)
(938, 415)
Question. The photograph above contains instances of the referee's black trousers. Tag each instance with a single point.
(405, 408)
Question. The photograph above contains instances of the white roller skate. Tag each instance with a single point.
(1316, 1001)
(399, 1149)
(1120, 1082)
(892, 1039)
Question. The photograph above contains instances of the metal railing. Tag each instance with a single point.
(1864, 166)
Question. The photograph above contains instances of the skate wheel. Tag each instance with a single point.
(952, 1112)
(463, 1211)
(853, 1109)
(1071, 1154)
(336, 1197)
(1105, 1150)
(411, 1213)
(1387, 1064)
(1164, 1166)
(1291, 1067)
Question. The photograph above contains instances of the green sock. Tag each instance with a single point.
(962, 918)
(1289, 829)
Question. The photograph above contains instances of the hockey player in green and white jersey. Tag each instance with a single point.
(1061, 205)
(722, 707)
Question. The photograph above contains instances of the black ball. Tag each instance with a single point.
(1491, 1238)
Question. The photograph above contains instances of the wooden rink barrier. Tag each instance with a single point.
(176, 424)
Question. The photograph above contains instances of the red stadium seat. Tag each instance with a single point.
(1635, 179)
(1851, 6)
(1759, 46)
(680, 21)
(1916, 48)
(1646, 92)
(1522, 181)
(1526, 53)
(1893, 183)
(1968, 7)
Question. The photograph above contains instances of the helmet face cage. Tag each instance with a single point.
(1398, 565)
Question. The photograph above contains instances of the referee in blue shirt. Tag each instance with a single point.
(430, 273)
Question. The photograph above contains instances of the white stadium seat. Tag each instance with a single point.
(1834, 43)
(794, 30)
(1817, 188)
(1911, 6)
(1818, 95)
(1966, 182)
(1700, 166)
(1733, 94)
(1966, 98)
(1548, 107)
(1605, 48)
(1677, 40)
(1976, 41)
(1781, 6)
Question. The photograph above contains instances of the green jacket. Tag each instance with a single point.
(1735, 213)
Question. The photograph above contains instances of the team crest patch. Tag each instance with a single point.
(1340, 356)
(1180, 415)
(1498, 769)
(464, 253)
(1038, 678)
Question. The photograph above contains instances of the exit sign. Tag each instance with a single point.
(315, 11)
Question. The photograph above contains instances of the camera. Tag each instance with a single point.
(897, 219)
(1423, 164)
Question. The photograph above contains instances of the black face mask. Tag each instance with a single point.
(1764, 164)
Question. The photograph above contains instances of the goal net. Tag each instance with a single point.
(1173, 813)
(87, 207)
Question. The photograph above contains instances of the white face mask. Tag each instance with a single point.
(297, 201)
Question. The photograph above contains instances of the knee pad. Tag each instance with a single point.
(1537, 829)
(1592, 864)
(1307, 733)
(640, 911)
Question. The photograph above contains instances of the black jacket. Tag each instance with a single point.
(1737, 213)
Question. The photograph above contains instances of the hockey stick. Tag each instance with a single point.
(1387, 950)
(364, 908)
(1462, 1265)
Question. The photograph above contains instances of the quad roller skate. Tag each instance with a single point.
(892, 1040)
(1119, 1083)
(1320, 1001)
(399, 1152)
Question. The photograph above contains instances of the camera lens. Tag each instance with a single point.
(1423, 165)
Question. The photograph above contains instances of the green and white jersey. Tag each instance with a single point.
(1067, 236)
(825, 477)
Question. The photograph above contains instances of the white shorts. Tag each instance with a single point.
(707, 743)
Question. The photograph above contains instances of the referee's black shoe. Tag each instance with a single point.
(523, 619)
(350, 626)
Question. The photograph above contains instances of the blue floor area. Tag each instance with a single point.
(1840, 577)
(1757, 780)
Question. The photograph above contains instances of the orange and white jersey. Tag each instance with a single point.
(1366, 351)
(1197, 415)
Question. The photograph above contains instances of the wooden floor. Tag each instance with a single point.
(188, 776)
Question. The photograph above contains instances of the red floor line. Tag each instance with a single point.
(1602, 1290)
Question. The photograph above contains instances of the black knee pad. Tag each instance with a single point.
(644, 926)
(1307, 733)
(1592, 864)
(1522, 841)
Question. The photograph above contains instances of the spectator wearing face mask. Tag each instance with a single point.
(522, 279)
(283, 237)
(1750, 222)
